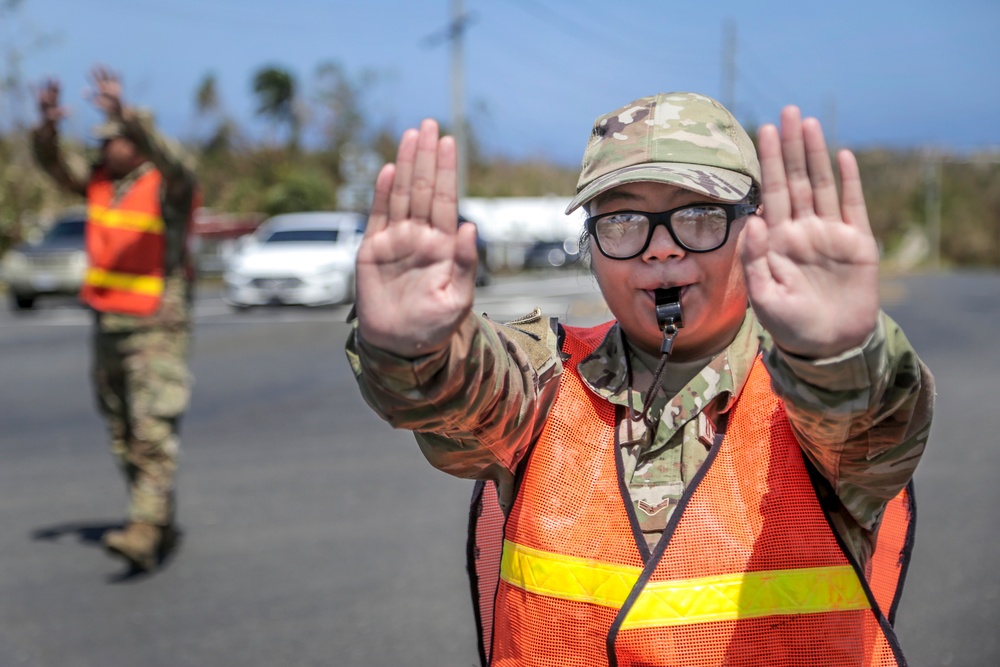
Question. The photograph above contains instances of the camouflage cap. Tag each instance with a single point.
(109, 129)
(681, 139)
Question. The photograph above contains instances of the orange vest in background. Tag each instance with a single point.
(126, 248)
(749, 570)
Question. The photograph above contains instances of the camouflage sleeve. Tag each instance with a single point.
(164, 153)
(862, 418)
(476, 407)
(69, 172)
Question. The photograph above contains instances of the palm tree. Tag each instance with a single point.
(207, 96)
(275, 91)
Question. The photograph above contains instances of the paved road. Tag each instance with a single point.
(316, 535)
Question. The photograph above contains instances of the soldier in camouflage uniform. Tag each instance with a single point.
(140, 373)
(797, 283)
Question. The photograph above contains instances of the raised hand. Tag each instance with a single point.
(416, 267)
(49, 109)
(811, 261)
(106, 93)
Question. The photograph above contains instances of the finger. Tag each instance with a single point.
(774, 185)
(378, 217)
(102, 73)
(424, 171)
(824, 185)
(854, 210)
(103, 79)
(444, 211)
(753, 255)
(794, 153)
(399, 198)
(48, 92)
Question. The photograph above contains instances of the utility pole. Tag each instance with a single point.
(454, 33)
(458, 23)
(729, 65)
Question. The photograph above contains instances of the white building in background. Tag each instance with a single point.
(512, 225)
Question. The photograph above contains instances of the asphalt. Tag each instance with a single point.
(314, 534)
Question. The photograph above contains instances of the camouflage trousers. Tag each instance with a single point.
(143, 386)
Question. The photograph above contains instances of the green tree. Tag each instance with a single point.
(298, 188)
(275, 89)
(224, 133)
(207, 96)
(25, 193)
(341, 101)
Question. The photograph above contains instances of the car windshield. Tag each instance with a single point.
(302, 236)
(66, 229)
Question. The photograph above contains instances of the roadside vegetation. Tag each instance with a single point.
(321, 151)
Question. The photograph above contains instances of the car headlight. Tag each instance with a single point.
(13, 262)
(78, 262)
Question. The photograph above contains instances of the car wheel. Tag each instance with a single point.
(240, 307)
(22, 301)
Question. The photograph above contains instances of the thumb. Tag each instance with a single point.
(466, 255)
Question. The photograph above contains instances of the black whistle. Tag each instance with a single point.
(668, 307)
(668, 315)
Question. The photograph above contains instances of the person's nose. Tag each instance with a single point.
(662, 246)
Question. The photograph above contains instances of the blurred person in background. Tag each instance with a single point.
(718, 476)
(139, 284)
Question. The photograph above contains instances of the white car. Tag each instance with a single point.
(296, 258)
(55, 265)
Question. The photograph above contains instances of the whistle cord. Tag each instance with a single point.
(654, 388)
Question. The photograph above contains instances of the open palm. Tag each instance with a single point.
(416, 267)
(811, 261)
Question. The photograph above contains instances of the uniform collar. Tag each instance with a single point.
(606, 372)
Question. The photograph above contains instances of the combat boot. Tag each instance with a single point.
(138, 543)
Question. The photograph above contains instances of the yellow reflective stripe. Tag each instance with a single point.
(130, 220)
(748, 595)
(684, 601)
(125, 282)
(567, 577)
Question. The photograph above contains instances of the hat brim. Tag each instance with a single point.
(715, 182)
(106, 131)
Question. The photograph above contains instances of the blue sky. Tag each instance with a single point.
(537, 72)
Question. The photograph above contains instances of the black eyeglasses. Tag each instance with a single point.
(695, 227)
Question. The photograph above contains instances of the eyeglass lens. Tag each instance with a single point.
(626, 233)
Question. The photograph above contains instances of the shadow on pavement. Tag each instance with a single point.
(90, 534)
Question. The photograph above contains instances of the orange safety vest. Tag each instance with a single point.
(126, 247)
(749, 570)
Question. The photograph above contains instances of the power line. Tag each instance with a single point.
(568, 26)
(613, 43)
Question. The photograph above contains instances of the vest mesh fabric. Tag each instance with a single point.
(738, 520)
(591, 514)
(123, 256)
(887, 568)
(734, 519)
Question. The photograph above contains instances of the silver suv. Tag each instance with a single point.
(53, 266)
